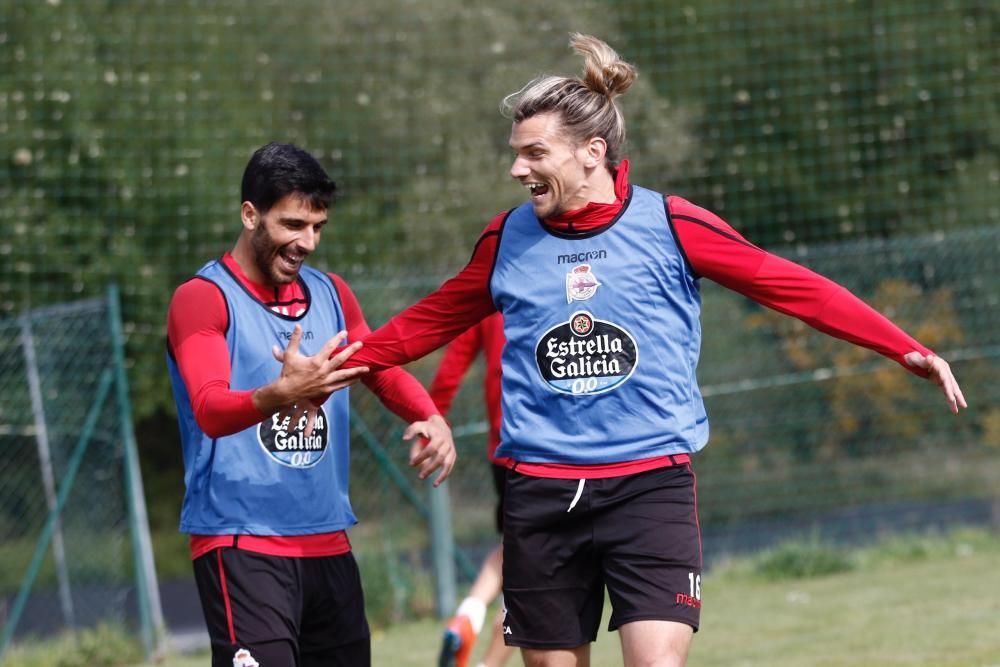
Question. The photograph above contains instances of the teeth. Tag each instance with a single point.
(533, 186)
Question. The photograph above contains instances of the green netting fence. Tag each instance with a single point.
(74, 541)
(860, 138)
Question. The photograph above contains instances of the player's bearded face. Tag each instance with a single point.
(549, 165)
(266, 253)
(284, 237)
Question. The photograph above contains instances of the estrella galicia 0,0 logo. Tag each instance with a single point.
(287, 443)
(585, 355)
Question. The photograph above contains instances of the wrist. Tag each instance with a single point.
(270, 397)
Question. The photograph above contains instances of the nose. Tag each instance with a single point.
(308, 239)
(519, 169)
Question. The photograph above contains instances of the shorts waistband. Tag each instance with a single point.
(600, 470)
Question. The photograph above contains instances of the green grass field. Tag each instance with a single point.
(931, 602)
(904, 603)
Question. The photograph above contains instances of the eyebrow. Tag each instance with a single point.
(302, 220)
(533, 144)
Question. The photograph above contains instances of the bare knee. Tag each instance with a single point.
(575, 657)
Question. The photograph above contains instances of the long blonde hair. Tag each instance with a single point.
(586, 104)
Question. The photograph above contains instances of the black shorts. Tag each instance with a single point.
(499, 483)
(565, 542)
(285, 611)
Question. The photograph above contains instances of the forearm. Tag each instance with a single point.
(203, 361)
(718, 252)
(402, 394)
(459, 303)
(848, 318)
(221, 412)
(196, 324)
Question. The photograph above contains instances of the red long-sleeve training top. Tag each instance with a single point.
(713, 249)
(196, 337)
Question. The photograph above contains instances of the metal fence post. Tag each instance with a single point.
(45, 461)
(442, 549)
(150, 608)
(66, 485)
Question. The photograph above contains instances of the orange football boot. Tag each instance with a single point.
(456, 645)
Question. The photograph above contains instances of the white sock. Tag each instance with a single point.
(474, 610)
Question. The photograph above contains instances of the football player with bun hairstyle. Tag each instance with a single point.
(598, 280)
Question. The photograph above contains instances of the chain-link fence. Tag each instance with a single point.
(75, 545)
(860, 138)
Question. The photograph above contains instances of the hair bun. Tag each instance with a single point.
(604, 71)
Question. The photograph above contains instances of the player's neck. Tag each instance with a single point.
(242, 254)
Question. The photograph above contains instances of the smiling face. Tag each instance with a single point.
(281, 239)
(555, 170)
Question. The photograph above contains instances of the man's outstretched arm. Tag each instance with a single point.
(718, 252)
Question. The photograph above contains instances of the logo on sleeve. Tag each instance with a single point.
(287, 443)
(585, 355)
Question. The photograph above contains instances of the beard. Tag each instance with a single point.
(264, 253)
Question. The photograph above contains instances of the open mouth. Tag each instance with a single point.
(537, 190)
(290, 262)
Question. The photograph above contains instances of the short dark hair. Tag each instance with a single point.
(277, 170)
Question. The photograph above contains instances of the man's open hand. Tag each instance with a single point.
(939, 372)
(433, 450)
(304, 377)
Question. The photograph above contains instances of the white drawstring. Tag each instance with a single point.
(576, 498)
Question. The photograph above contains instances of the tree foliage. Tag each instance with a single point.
(124, 129)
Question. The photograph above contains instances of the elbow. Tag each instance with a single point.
(208, 426)
(219, 413)
(210, 421)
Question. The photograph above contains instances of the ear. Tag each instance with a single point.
(597, 148)
(249, 216)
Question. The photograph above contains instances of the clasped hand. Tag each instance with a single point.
(305, 381)
(433, 450)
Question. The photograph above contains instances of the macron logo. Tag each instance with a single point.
(287, 335)
(689, 600)
(582, 257)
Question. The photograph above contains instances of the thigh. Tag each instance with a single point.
(251, 603)
(651, 545)
(552, 585)
(334, 629)
(655, 642)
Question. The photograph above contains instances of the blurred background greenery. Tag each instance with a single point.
(860, 138)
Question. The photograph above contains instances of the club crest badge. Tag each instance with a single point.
(581, 284)
(242, 658)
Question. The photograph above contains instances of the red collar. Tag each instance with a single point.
(265, 293)
(594, 215)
